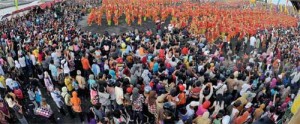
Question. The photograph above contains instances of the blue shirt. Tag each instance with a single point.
(53, 70)
(91, 82)
(95, 69)
(155, 67)
(112, 73)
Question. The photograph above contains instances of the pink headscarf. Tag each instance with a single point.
(273, 83)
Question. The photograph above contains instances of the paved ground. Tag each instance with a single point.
(33, 119)
(121, 28)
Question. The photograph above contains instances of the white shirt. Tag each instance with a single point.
(10, 83)
(1, 85)
(190, 112)
(55, 59)
(10, 61)
(245, 87)
(119, 95)
(56, 98)
(33, 59)
(234, 112)
(226, 119)
(221, 88)
(296, 77)
(252, 41)
(22, 61)
(66, 68)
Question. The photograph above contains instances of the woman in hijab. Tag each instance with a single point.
(258, 112)
(48, 82)
(203, 108)
(4, 112)
(242, 119)
(55, 94)
(91, 81)
(66, 97)
(16, 107)
(76, 105)
(137, 105)
(204, 119)
(145, 76)
(151, 103)
(94, 94)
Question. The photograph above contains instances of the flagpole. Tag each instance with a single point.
(278, 8)
(17, 4)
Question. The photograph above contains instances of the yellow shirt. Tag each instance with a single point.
(35, 52)
(68, 83)
(2, 80)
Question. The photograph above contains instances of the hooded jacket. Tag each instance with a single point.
(75, 102)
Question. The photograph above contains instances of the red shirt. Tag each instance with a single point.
(184, 51)
(85, 63)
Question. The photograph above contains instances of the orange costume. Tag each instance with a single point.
(213, 19)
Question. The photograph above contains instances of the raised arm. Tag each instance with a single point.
(210, 92)
(201, 95)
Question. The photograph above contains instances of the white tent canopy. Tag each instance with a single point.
(9, 10)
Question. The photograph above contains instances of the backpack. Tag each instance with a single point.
(18, 93)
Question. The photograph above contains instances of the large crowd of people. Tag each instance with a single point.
(162, 76)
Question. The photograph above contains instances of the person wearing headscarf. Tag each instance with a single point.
(137, 105)
(145, 76)
(81, 83)
(48, 82)
(242, 119)
(76, 105)
(91, 81)
(10, 98)
(243, 100)
(203, 108)
(151, 103)
(258, 112)
(55, 94)
(4, 112)
(94, 94)
(202, 119)
(95, 69)
(67, 100)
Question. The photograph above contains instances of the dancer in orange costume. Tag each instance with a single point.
(99, 16)
(91, 17)
(116, 17)
(140, 16)
(223, 17)
(108, 17)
